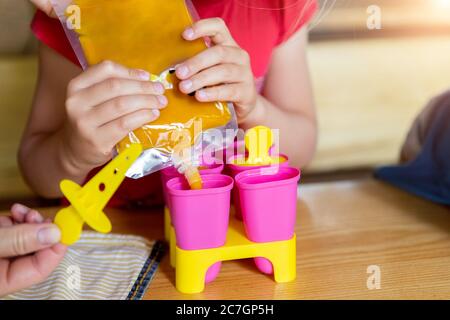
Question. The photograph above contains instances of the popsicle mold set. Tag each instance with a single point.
(203, 231)
(245, 208)
(199, 224)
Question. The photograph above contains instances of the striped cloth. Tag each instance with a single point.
(100, 266)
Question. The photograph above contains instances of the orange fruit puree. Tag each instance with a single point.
(146, 34)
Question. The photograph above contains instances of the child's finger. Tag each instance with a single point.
(227, 92)
(215, 28)
(29, 270)
(113, 88)
(223, 73)
(34, 217)
(211, 57)
(19, 212)
(116, 130)
(103, 71)
(121, 106)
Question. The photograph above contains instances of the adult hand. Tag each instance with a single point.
(29, 249)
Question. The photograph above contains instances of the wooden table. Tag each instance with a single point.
(343, 228)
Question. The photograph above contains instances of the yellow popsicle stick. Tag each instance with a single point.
(258, 141)
(88, 202)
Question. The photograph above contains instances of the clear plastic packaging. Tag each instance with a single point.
(146, 34)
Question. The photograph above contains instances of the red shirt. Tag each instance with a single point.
(258, 26)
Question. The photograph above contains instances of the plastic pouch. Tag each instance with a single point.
(146, 34)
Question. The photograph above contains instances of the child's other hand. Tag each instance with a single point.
(45, 6)
(29, 249)
(103, 105)
(224, 69)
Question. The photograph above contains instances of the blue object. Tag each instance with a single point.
(428, 175)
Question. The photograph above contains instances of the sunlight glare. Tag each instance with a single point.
(443, 3)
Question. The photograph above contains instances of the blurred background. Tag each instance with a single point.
(369, 84)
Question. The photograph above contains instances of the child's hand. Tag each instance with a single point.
(103, 105)
(29, 249)
(45, 6)
(224, 69)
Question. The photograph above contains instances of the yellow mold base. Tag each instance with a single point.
(191, 265)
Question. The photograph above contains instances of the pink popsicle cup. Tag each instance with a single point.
(201, 217)
(233, 169)
(268, 200)
(166, 175)
(171, 172)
